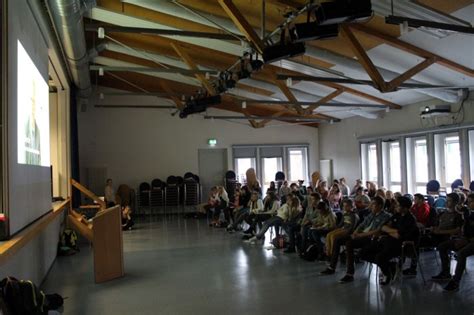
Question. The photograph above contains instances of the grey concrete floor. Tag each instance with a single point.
(181, 266)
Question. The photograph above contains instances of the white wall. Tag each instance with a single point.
(137, 145)
(339, 142)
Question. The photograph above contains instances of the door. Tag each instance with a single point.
(212, 169)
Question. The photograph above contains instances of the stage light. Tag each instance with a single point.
(341, 11)
(282, 51)
(101, 71)
(244, 104)
(313, 31)
(199, 105)
(101, 32)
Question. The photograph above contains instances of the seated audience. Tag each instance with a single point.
(284, 191)
(302, 188)
(421, 210)
(295, 190)
(464, 247)
(345, 190)
(323, 190)
(390, 202)
(234, 206)
(324, 223)
(361, 202)
(371, 188)
(356, 187)
(127, 221)
(255, 205)
(347, 225)
(286, 213)
(449, 224)
(309, 219)
(334, 197)
(259, 215)
(360, 238)
(272, 187)
(400, 227)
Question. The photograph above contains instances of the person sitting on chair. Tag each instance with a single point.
(109, 193)
(347, 225)
(286, 213)
(325, 222)
(421, 210)
(309, 219)
(127, 221)
(400, 227)
(270, 208)
(361, 237)
(463, 245)
(449, 224)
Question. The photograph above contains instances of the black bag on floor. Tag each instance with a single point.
(311, 253)
(24, 298)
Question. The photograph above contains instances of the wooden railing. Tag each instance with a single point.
(9, 248)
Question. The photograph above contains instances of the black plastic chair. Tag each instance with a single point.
(144, 196)
(157, 194)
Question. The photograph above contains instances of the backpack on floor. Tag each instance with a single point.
(311, 253)
(22, 297)
(280, 241)
(68, 243)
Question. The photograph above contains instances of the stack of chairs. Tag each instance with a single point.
(143, 197)
(172, 192)
(191, 190)
(157, 194)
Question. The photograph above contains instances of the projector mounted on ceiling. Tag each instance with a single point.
(435, 111)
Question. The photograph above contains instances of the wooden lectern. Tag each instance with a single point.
(105, 234)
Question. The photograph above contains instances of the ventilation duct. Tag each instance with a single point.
(67, 17)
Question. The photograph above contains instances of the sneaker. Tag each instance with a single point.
(346, 279)
(452, 286)
(327, 271)
(441, 277)
(251, 240)
(409, 272)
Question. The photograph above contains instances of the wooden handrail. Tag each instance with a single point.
(88, 193)
(12, 246)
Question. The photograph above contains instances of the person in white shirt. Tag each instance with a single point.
(269, 209)
(286, 213)
(109, 193)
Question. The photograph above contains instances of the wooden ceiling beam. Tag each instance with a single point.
(325, 99)
(395, 42)
(242, 24)
(192, 65)
(363, 58)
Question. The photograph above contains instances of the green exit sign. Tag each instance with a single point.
(212, 142)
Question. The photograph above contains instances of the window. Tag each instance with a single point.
(417, 164)
(471, 153)
(241, 167)
(392, 166)
(369, 162)
(297, 164)
(270, 166)
(448, 159)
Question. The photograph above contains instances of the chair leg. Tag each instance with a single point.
(417, 257)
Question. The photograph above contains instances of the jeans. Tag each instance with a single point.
(273, 221)
(381, 250)
(464, 250)
(352, 244)
(331, 237)
(292, 229)
(316, 235)
(338, 242)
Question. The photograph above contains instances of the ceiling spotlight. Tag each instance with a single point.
(183, 97)
(101, 71)
(208, 76)
(387, 110)
(331, 122)
(289, 82)
(244, 104)
(101, 96)
(101, 32)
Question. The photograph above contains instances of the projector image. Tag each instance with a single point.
(435, 111)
